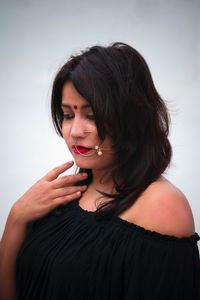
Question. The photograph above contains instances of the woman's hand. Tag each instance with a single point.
(46, 194)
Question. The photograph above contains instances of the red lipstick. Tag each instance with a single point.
(80, 149)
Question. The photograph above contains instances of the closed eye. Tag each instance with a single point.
(67, 116)
(91, 117)
(71, 116)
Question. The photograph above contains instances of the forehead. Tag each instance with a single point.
(71, 97)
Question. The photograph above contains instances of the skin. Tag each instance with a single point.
(49, 192)
(79, 128)
(162, 207)
(45, 195)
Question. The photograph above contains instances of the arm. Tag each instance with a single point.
(167, 264)
(44, 196)
(12, 239)
(164, 208)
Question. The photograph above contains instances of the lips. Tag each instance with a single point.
(80, 149)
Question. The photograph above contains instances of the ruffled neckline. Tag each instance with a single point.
(137, 228)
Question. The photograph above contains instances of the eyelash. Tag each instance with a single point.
(69, 117)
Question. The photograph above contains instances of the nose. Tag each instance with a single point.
(77, 129)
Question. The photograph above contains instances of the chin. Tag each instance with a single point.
(83, 164)
(87, 163)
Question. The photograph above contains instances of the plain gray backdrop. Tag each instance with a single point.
(36, 39)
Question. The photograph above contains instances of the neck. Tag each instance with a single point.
(102, 181)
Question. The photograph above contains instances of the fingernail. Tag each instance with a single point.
(84, 174)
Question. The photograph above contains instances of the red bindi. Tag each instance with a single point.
(75, 106)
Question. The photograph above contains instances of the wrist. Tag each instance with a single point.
(16, 219)
(14, 227)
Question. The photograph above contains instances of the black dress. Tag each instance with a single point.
(73, 256)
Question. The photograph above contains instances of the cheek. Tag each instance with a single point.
(65, 133)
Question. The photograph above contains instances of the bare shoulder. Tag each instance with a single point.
(165, 209)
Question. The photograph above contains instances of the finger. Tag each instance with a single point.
(67, 191)
(54, 173)
(65, 199)
(68, 180)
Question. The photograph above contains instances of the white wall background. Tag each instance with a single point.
(37, 36)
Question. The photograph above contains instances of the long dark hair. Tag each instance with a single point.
(117, 83)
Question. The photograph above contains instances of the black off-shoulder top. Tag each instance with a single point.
(73, 256)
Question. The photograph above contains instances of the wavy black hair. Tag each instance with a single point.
(117, 83)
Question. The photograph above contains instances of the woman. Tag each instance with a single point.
(118, 229)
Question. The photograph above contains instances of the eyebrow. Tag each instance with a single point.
(70, 107)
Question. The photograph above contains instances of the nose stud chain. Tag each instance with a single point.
(98, 149)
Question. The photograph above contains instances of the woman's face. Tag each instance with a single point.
(80, 132)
